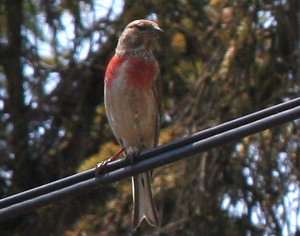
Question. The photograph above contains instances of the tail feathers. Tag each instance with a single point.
(143, 205)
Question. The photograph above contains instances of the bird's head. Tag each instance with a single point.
(138, 35)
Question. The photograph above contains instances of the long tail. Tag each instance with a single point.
(143, 205)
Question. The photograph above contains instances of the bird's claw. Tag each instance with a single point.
(132, 157)
(100, 167)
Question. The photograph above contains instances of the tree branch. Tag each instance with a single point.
(13, 71)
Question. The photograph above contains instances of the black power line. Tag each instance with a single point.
(175, 153)
(68, 181)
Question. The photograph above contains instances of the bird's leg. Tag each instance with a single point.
(101, 166)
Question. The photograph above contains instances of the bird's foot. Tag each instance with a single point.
(100, 167)
(132, 155)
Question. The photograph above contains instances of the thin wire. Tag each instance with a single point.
(117, 164)
(70, 180)
(150, 163)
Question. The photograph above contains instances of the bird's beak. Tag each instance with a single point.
(157, 29)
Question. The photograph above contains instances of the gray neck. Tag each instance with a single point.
(127, 46)
(139, 52)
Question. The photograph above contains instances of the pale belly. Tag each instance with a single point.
(133, 115)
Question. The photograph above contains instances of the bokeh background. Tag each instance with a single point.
(219, 59)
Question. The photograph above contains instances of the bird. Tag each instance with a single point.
(132, 104)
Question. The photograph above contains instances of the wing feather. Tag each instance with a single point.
(156, 87)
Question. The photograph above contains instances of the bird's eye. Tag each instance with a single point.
(141, 27)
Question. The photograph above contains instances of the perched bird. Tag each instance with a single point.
(132, 105)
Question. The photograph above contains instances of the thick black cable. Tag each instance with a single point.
(68, 181)
(150, 163)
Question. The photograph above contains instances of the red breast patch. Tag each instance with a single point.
(139, 72)
(112, 68)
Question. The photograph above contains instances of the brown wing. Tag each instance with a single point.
(156, 87)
